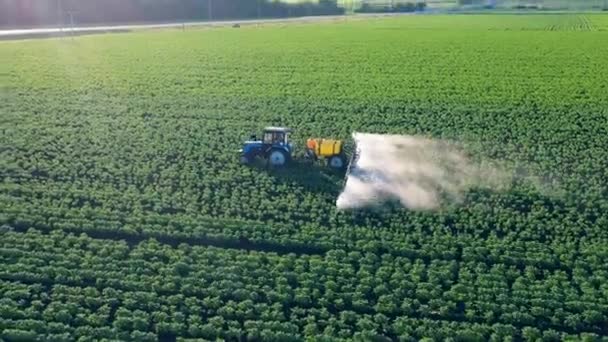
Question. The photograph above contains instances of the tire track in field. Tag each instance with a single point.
(242, 243)
(221, 242)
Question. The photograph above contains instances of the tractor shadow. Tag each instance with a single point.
(312, 176)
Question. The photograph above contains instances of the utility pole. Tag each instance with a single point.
(71, 14)
(60, 15)
(259, 9)
(210, 9)
(183, 17)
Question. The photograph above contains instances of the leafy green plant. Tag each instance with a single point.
(125, 215)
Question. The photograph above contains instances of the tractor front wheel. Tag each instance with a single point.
(278, 158)
(337, 162)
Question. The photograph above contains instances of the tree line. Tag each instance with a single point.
(18, 13)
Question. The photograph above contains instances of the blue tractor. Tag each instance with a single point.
(274, 147)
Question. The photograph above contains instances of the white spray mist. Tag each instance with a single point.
(419, 172)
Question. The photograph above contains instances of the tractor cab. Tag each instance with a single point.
(276, 136)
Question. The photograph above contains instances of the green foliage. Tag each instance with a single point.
(126, 216)
(18, 335)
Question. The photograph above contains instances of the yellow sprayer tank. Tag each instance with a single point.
(325, 147)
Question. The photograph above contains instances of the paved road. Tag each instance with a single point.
(44, 32)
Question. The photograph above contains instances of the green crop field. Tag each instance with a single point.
(125, 214)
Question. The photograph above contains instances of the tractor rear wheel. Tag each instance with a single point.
(337, 162)
(278, 158)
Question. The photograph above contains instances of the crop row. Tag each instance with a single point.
(135, 136)
(361, 283)
(86, 314)
(413, 239)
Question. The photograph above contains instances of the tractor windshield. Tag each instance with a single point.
(274, 137)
